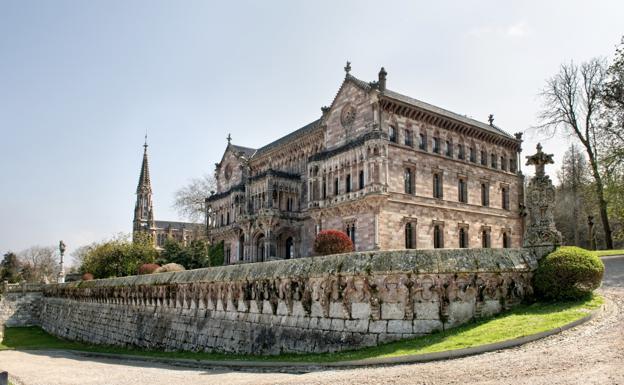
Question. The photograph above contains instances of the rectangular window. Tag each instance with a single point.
(437, 186)
(392, 134)
(438, 237)
(324, 189)
(462, 190)
(449, 148)
(410, 235)
(483, 158)
(503, 162)
(422, 144)
(348, 183)
(408, 138)
(493, 160)
(463, 237)
(336, 182)
(505, 198)
(460, 152)
(350, 230)
(473, 155)
(512, 165)
(361, 184)
(485, 239)
(485, 194)
(408, 180)
(436, 145)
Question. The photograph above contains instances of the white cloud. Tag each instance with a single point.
(516, 30)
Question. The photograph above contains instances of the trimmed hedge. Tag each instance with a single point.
(568, 273)
(332, 242)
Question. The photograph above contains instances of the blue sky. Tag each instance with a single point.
(81, 82)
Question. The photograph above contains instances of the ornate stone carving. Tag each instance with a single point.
(540, 229)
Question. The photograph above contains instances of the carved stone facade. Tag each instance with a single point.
(541, 232)
(391, 171)
(324, 304)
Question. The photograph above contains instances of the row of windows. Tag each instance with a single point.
(462, 237)
(348, 185)
(436, 147)
(462, 189)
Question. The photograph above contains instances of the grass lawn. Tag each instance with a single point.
(518, 322)
(604, 253)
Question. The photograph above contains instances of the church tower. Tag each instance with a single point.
(143, 212)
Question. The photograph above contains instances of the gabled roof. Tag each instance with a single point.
(288, 138)
(247, 151)
(446, 113)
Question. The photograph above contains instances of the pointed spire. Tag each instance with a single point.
(144, 179)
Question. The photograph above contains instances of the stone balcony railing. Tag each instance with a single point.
(376, 188)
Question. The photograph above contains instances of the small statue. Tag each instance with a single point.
(62, 248)
(348, 67)
(491, 120)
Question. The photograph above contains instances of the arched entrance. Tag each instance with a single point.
(290, 252)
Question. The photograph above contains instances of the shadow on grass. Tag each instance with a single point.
(519, 322)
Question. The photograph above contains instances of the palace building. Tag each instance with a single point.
(144, 221)
(389, 170)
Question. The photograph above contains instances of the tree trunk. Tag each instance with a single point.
(602, 203)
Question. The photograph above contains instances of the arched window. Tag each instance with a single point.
(409, 141)
(422, 144)
(505, 198)
(241, 247)
(462, 191)
(438, 240)
(437, 185)
(483, 158)
(289, 248)
(361, 184)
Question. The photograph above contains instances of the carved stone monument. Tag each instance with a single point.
(541, 235)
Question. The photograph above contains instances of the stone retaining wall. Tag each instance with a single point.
(320, 304)
(20, 305)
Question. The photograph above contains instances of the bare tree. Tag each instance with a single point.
(572, 102)
(39, 264)
(190, 200)
(573, 178)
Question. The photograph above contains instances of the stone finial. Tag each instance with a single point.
(347, 68)
(518, 135)
(539, 160)
(382, 79)
(324, 110)
(229, 138)
(491, 120)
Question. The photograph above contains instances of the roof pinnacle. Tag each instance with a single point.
(347, 68)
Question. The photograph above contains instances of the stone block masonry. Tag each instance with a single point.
(320, 304)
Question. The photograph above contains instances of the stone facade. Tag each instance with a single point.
(391, 171)
(322, 304)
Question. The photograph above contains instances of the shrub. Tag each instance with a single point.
(87, 277)
(568, 273)
(148, 268)
(169, 268)
(332, 242)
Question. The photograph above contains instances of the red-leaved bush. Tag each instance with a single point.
(148, 268)
(87, 277)
(332, 242)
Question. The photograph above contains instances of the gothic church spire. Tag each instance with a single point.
(143, 212)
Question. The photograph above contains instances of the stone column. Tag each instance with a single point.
(540, 235)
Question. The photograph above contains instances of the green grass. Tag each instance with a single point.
(521, 321)
(604, 253)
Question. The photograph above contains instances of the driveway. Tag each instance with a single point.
(592, 353)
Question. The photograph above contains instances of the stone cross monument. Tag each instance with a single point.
(540, 234)
(61, 274)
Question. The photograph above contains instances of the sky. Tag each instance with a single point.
(81, 82)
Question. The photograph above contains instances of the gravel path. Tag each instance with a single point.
(592, 353)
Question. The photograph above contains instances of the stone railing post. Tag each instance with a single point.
(540, 234)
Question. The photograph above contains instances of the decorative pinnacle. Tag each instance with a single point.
(539, 160)
(145, 144)
(348, 67)
(491, 119)
(229, 138)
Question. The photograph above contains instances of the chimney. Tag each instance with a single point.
(382, 79)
